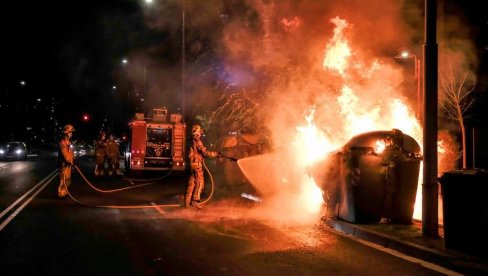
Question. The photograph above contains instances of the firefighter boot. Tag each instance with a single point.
(196, 204)
(187, 201)
(62, 191)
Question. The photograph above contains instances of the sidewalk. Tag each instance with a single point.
(408, 239)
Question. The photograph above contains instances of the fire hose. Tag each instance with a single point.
(131, 187)
(227, 157)
(114, 190)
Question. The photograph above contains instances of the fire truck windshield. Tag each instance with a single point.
(158, 135)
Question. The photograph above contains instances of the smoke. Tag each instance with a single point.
(288, 46)
(270, 54)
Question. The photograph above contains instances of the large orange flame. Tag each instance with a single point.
(337, 51)
(359, 112)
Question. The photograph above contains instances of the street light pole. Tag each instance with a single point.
(418, 70)
(430, 193)
(183, 88)
(404, 54)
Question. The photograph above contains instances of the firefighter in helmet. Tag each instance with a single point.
(113, 153)
(65, 160)
(100, 154)
(197, 152)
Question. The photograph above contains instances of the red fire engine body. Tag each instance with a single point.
(156, 143)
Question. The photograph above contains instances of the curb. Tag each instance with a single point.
(456, 262)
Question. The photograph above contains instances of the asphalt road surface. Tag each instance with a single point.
(107, 233)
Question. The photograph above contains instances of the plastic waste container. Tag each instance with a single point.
(465, 209)
(373, 176)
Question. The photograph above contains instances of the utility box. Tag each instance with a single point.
(465, 209)
(374, 176)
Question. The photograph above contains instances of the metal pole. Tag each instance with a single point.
(144, 89)
(183, 92)
(430, 185)
(474, 147)
(419, 87)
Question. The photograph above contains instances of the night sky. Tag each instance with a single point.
(72, 51)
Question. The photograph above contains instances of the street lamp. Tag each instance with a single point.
(405, 54)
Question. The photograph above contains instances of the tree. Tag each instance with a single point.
(458, 99)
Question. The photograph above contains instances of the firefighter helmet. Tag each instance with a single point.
(196, 129)
(68, 129)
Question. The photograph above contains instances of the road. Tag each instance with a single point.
(42, 234)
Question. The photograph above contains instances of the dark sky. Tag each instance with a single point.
(71, 49)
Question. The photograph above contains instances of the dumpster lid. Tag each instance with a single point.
(368, 140)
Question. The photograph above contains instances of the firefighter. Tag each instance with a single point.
(113, 153)
(65, 160)
(197, 152)
(100, 154)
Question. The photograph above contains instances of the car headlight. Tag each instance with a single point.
(2, 151)
(18, 151)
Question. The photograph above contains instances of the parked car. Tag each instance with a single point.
(14, 151)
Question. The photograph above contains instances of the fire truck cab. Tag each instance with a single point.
(155, 143)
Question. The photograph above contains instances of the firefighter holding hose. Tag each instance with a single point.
(65, 160)
(197, 152)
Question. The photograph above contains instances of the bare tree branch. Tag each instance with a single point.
(457, 100)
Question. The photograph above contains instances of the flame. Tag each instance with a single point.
(441, 146)
(311, 143)
(290, 24)
(380, 146)
(362, 95)
(358, 113)
(337, 51)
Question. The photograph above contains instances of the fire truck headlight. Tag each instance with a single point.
(379, 146)
(19, 151)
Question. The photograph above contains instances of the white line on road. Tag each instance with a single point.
(128, 180)
(26, 194)
(158, 209)
(50, 177)
(6, 167)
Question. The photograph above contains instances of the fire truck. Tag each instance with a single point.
(155, 143)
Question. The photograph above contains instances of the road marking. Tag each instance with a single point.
(158, 209)
(6, 166)
(49, 178)
(128, 180)
(400, 255)
(26, 194)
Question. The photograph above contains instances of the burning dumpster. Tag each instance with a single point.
(373, 176)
